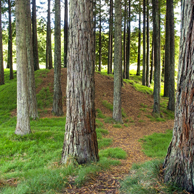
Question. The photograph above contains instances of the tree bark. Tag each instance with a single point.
(128, 42)
(110, 48)
(80, 142)
(33, 111)
(100, 40)
(157, 75)
(1, 53)
(171, 103)
(167, 52)
(144, 46)
(48, 42)
(23, 120)
(57, 98)
(179, 162)
(9, 60)
(65, 33)
(139, 42)
(117, 115)
(34, 36)
(152, 60)
(124, 43)
(148, 48)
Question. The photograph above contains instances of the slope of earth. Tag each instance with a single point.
(138, 109)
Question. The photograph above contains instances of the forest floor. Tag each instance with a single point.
(138, 121)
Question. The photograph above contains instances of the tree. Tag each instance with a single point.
(124, 42)
(110, 48)
(144, 45)
(9, 61)
(80, 142)
(152, 60)
(23, 120)
(65, 32)
(178, 165)
(139, 41)
(128, 41)
(48, 41)
(57, 98)
(156, 35)
(33, 111)
(1, 53)
(117, 115)
(100, 38)
(34, 36)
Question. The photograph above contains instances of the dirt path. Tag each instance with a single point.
(125, 137)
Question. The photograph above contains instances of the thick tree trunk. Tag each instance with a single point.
(23, 120)
(57, 98)
(124, 43)
(167, 52)
(128, 42)
(94, 14)
(179, 162)
(144, 46)
(9, 60)
(1, 53)
(65, 33)
(80, 141)
(117, 115)
(33, 111)
(34, 36)
(48, 42)
(139, 42)
(100, 40)
(157, 75)
(152, 60)
(171, 103)
(148, 48)
(110, 48)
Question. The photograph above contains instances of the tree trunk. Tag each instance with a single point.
(167, 52)
(156, 34)
(171, 103)
(128, 42)
(34, 36)
(9, 60)
(23, 120)
(80, 142)
(148, 47)
(1, 53)
(33, 111)
(57, 99)
(117, 115)
(48, 42)
(144, 46)
(100, 42)
(110, 48)
(179, 162)
(139, 42)
(65, 33)
(152, 60)
(94, 13)
(124, 43)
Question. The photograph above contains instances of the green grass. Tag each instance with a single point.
(109, 120)
(39, 75)
(113, 153)
(99, 124)
(100, 132)
(100, 114)
(117, 126)
(105, 142)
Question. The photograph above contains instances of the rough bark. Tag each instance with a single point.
(156, 32)
(124, 43)
(100, 39)
(23, 120)
(34, 36)
(148, 48)
(80, 142)
(144, 45)
(117, 115)
(94, 13)
(33, 111)
(9, 60)
(1, 53)
(152, 60)
(57, 98)
(139, 42)
(110, 45)
(171, 103)
(128, 42)
(48, 41)
(167, 52)
(179, 162)
(65, 33)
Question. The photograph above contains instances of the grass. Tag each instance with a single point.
(109, 120)
(99, 124)
(100, 114)
(113, 153)
(105, 142)
(117, 126)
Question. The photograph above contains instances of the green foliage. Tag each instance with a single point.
(109, 120)
(39, 74)
(102, 131)
(99, 124)
(117, 126)
(100, 114)
(143, 105)
(113, 153)
(105, 142)
(156, 145)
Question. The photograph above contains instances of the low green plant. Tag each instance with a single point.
(105, 142)
(100, 114)
(126, 125)
(102, 131)
(117, 126)
(141, 121)
(107, 105)
(143, 105)
(109, 120)
(113, 153)
(99, 124)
